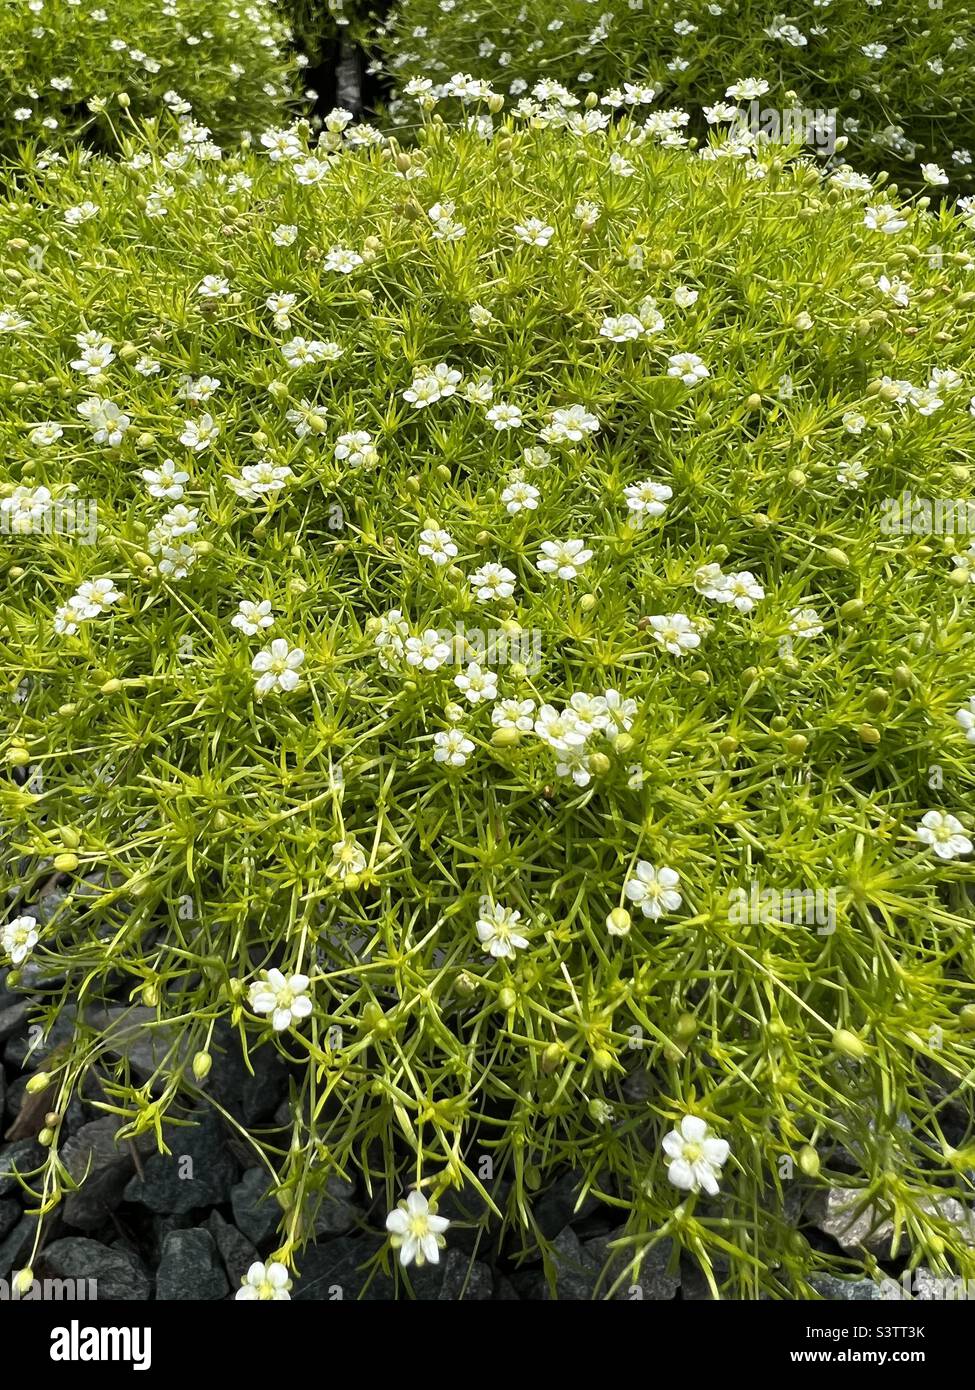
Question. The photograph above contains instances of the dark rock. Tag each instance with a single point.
(638, 1085)
(152, 1242)
(13, 1103)
(74, 1117)
(132, 1032)
(29, 1050)
(120, 1276)
(10, 1213)
(251, 1099)
(16, 1246)
(651, 1281)
(23, 1155)
(338, 1212)
(465, 1280)
(575, 1272)
(556, 1208)
(109, 1165)
(190, 1268)
(331, 1271)
(13, 1018)
(255, 1212)
(46, 908)
(694, 1286)
(198, 1172)
(235, 1250)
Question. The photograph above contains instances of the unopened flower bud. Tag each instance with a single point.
(849, 1044)
(618, 922)
(505, 738)
(202, 1063)
(809, 1161)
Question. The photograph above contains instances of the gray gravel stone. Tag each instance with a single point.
(576, 1273)
(854, 1290)
(190, 1268)
(198, 1172)
(652, 1282)
(120, 1276)
(251, 1097)
(23, 1051)
(464, 1280)
(23, 1155)
(13, 1018)
(16, 1246)
(694, 1286)
(556, 1208)
(10, 1213)
(235, 1250)
(93, 1149)
(256, 1213)
(338, 1212)
(857, 1225)
(330, 1271)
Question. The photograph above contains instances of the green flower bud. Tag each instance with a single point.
(202, 1063)
(505, 738)
(849, 1044)
(853, 608)
(618, 922)
(809, 1161)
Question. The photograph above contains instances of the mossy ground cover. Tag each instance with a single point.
(463, 629)
(65, 65)
(894, 77)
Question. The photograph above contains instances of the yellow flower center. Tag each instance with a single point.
(418, 1226)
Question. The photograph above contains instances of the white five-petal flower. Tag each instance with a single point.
(416, 1231)
(285, 999)
(694, 1157)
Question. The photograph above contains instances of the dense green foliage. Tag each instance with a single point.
(897, 73)
(670, 399)
(64, 64)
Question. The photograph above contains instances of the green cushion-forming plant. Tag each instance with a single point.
(896, 74)
(64, 66)
(504, 614)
